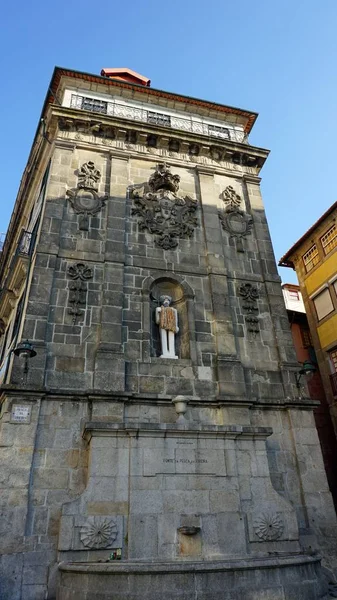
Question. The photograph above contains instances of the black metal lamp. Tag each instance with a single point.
(308, 368)
(26, 351)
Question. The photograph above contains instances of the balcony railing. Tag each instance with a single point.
(113, 109)
(333, 379)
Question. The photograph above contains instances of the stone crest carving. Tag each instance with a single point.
(233, 219)
(79, 273)
(98, 532)
(268, 526)
(161, 211)
(250, 295)
(84, 199)
(249, 292)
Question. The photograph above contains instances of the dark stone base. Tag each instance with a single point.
(278, 578)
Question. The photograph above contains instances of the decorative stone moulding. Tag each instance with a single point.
(250, 295)
(98, 532)
(104, 133)
(268, 526)
(233, 219)
(79, 273)
(8, 302)
(163, 213)
(2, 327)
(85, 200)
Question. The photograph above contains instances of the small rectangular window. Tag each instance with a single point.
(158, 119)
(329, 239)
(306, 338)
(98, 106)
(323, 304)
(333, 360)
(293, 295)
(311, 258)
(221, 132)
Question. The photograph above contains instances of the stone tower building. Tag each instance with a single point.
(154, 441)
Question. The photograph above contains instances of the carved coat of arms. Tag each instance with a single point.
(233, 219)
(85, 200)
(161, 211)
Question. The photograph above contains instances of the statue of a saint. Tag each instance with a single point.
(167, 319)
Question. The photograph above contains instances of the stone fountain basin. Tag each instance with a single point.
(281, 577)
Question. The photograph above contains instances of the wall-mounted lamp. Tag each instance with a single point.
(26, 351)
(308, 368)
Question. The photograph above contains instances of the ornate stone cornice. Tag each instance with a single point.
(111, 132)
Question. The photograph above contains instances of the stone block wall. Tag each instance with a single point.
(114, 325)
(90, 314)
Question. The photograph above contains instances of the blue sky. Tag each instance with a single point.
(276, 57)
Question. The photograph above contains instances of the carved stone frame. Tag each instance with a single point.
(146, 313)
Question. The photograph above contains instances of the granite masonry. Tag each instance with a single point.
(124, 474)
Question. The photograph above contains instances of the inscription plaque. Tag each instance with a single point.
(21, 413)
(176, 461)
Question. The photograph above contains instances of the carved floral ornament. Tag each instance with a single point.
(250, 295)
(161, 211)
(98, 532)
(268, 526)
(233, 219)
(79, 273)
(85, 200)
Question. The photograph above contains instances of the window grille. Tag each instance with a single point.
(93, 105)
(329, 239)
(85, 103)
(311, 258)
(221, 132)
(306, 338)
(158, 119)
(323, 304)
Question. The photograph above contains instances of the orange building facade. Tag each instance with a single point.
(305, 352)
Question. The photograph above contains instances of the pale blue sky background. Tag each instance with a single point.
(276, 57)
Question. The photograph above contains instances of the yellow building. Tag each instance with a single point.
(314, 257)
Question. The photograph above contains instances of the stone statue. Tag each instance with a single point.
(167, 319)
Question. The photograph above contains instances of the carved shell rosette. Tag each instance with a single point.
(268, 526)
(98, 532)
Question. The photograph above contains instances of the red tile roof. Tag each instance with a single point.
(126, 74)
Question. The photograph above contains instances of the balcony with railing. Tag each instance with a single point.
(135, 113)
(333, 380)
(16, 273)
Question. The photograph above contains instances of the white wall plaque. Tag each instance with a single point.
(21, 413)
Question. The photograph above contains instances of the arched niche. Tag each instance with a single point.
(182, 299)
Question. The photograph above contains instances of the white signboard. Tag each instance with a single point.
(21, 413)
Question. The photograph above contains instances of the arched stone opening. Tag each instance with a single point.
(182, 300)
